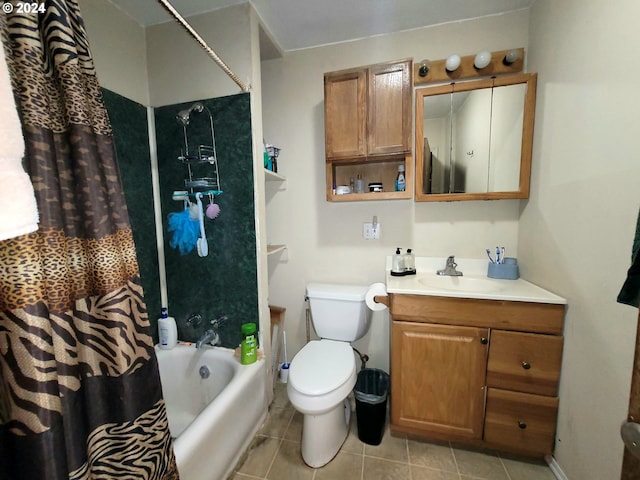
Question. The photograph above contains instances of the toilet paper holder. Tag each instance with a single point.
(376, 297)
(383, 299)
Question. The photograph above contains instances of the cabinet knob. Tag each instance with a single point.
(484, 340)
(526, 365)
(522, 425)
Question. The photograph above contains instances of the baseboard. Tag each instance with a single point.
(555, 468)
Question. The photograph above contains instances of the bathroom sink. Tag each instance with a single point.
(461, 284)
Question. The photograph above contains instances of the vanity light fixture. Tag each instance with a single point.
(482, 59)
(511, 57)
(425, 66)
(452, 62)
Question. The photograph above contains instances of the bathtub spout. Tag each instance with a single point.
(209, 337)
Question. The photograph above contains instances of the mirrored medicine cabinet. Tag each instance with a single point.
(474, 139)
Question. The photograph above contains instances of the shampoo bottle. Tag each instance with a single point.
(167, 330)
(249, 344)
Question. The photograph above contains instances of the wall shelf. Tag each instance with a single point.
(270, 176)
(272, 249)
(275, 179)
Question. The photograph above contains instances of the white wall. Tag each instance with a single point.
(181, 71)
(576, 230)
(118, 48)
(325, 239)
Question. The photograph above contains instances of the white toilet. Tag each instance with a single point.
(323, 373)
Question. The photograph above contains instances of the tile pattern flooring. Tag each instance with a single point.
(275, 455)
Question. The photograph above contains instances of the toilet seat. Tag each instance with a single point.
(321, 366)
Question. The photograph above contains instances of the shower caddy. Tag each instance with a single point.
(202, 179)
(209, 182)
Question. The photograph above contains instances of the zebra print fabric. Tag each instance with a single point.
(80, 393)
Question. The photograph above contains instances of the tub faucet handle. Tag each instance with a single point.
(194, 320)
(216, 322)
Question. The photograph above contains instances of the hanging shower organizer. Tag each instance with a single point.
(202, 165)
(203, 179)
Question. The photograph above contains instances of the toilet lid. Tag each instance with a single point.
(321, 366)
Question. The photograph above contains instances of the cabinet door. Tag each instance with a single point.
(437, 378)
(389, 115)
(345, 120)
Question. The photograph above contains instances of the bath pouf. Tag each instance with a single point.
(185, 231)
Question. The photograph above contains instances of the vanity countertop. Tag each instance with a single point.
(473, 284)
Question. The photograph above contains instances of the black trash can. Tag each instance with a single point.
(371, 391)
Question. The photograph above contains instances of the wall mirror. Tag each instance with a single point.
(474, 138)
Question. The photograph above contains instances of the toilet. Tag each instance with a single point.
(323, 373)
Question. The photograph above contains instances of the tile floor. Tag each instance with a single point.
(275, 455)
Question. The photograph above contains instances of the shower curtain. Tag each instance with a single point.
(80, 394)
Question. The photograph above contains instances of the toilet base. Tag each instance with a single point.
(323, 435)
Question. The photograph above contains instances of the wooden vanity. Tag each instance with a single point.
(475, 371)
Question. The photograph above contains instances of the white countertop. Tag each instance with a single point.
(473, 284)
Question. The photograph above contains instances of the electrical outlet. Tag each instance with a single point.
(371, 231)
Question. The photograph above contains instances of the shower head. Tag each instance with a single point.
(183, 116)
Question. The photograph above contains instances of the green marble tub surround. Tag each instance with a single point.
(225, 281)
(131, 137)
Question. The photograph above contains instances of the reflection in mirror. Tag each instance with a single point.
(473, 139)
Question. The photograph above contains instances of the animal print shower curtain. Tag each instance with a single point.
(80, 394)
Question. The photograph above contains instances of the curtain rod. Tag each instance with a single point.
(174, 13)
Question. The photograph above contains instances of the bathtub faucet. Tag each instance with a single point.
(211, 337)
(208, 337)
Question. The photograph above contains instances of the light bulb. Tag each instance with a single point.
(511, 57)
(482, 59)
(452, 62)
(425, 66)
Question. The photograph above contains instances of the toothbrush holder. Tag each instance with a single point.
(505, 271)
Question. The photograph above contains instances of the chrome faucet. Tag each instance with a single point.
(450, 268)
(208, 337)
(211, 336)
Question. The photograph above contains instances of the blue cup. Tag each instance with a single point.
(505, 271)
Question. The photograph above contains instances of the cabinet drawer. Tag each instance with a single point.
(521, 421)
(525, 362)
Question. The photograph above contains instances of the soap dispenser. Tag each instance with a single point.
(397, 264)
(409, 263)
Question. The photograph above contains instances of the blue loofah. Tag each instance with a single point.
(185, 231)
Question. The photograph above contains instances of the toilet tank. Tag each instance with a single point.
(339, 312)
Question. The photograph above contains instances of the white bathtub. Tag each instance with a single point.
(212, 420)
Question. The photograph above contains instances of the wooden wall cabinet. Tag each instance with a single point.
(368, 128)
(480, 372)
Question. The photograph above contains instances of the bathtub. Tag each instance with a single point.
(214, 419)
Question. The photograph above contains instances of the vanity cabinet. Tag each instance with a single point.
(368, 128)
(480, 372)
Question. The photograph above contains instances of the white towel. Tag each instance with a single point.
(18, 209)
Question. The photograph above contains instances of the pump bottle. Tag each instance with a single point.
(167, 330)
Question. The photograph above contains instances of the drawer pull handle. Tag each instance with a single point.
(522, 425)
(484, 340)
(526, 365)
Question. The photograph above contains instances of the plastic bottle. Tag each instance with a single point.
(400, 180)
(167, 330)
(265, 156)
(249, 344)
(409, 262)
(397, 263)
